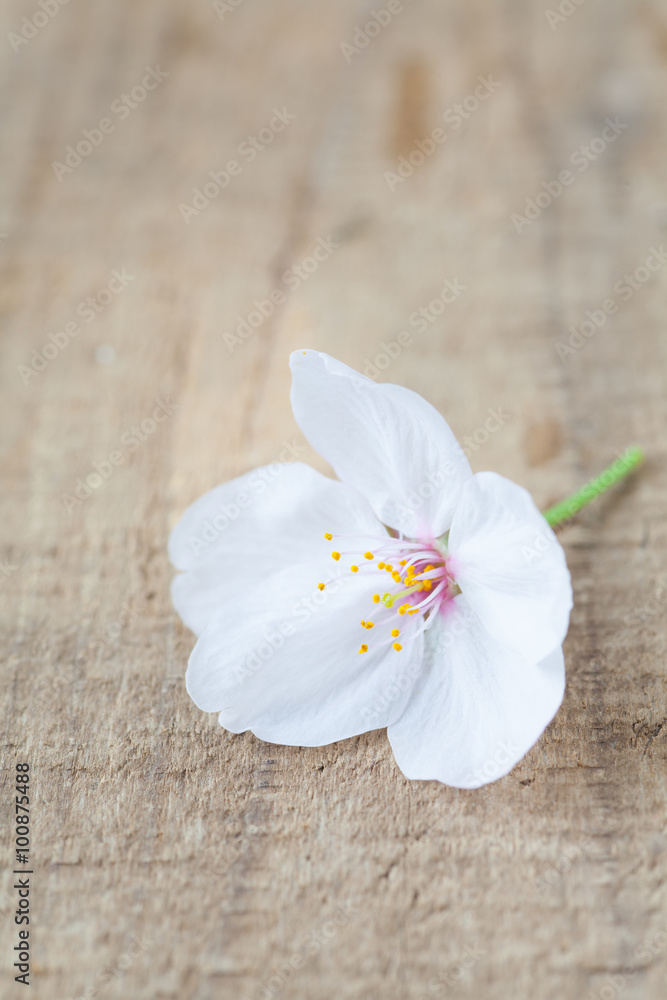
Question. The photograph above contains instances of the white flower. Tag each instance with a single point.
(442, 619)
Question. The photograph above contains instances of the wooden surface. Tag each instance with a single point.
(229, 858)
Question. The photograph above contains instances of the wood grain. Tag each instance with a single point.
(227, 858)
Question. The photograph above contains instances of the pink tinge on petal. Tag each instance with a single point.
(413, 580)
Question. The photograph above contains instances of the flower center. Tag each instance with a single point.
(421, 583)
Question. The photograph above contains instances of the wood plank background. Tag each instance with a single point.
(247, 870)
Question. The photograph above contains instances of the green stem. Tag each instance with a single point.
(617, 471)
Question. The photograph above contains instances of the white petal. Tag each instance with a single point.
(284, 661)
(478, 708)
(510, 566)
(384, 440)
(251, 527)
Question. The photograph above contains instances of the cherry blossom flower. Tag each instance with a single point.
(408, 593)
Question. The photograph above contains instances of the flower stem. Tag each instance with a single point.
(613, 474)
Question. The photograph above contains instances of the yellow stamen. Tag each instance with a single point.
(364, 648)
(328, 535)
(355, 569)
(335, 555)
(370, 624)
(376, 598)
(380, 565)
(395, 632)
(402, 562)
(363, 623)
(397, 576)
(398, 647)
(388, 567)
(415, 611)
(368, 555)
(390, 599)
(320, 586)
